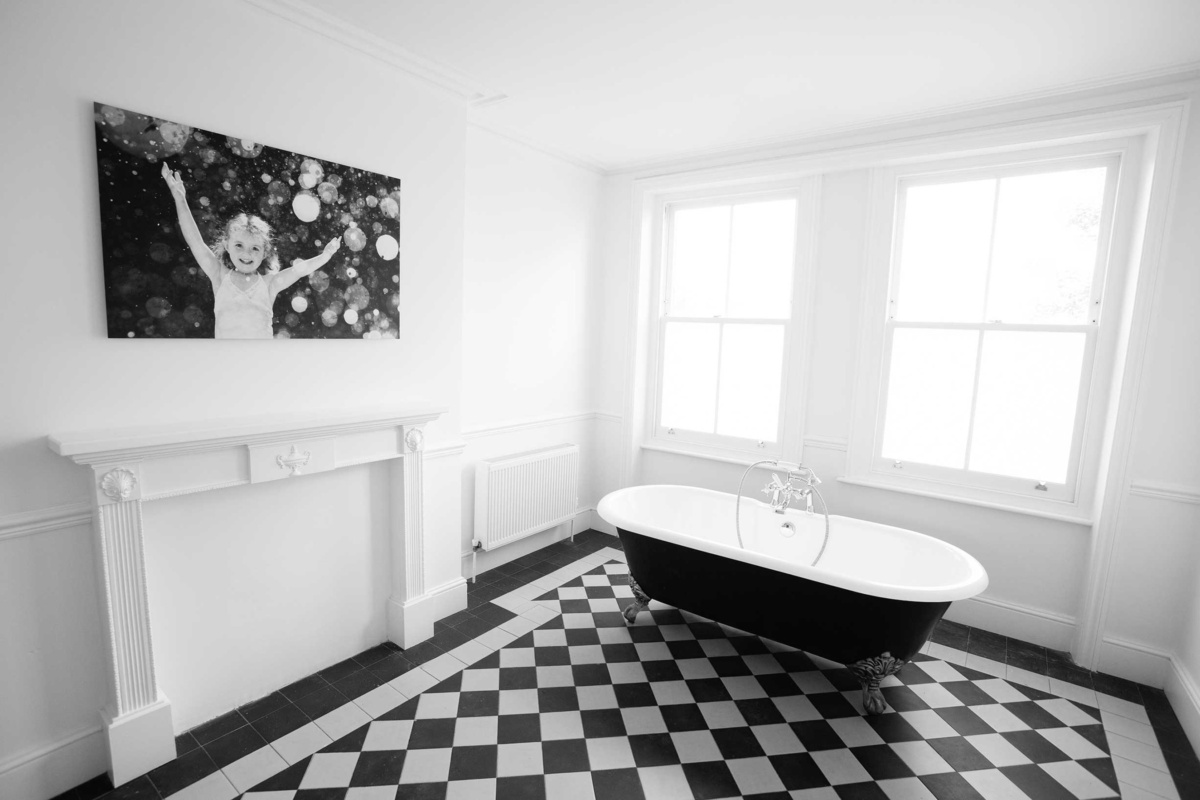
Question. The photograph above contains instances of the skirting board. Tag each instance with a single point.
(1184, 695)
(1020, 622)
(1133, 661)
(51, 770)
(585, 519)
(411, 622)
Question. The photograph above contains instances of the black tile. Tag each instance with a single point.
(405, 711)
(263, 706)
(494, 614)
(632, 695)
(760, 711)
(424, 791)
(737, 743)
(557, 698)
(881, 762)
(1070, 673)
(340, 670)
(232, 746)
(590, 675)
(473, 762)
(653, 749)
(564, 755)
(285, 779)
(778, 684)
(320, 794)
(729, 666)
(860, 791)
(902, 698)
(604, 722)
(1185, 771)
(450, 638)
(964, 721)
(710, 779)
(817, 735)
(950, 786)
(1095, 735)
(182, 772)
(798, 771)
(1033, 715)
(960, 754)
(137, 789)
(554, 656)
(893, 728)
(479, 704)
(302, 687)
(428, 734)
(420, 653)
(390, 667)
(280, 723)
(96, 787)
(619, 653)
(526, 787)
(1033, 781)
(951, 634)
(1034, 746)
(1024, 655)
(988, 645)
(378, 768)
(457, 617)
(621, 784)
(518, 677)
(216, 728)
(473, 627)
(832, 705)
(1117, 687)
(356, 684)
(184, 744)
(1103, 769)
(350, 743)
(581, 636)
(321, 702)
(708, 690)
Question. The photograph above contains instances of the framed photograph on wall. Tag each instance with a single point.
(211, 236)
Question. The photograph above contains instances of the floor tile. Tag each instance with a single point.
(252, 769)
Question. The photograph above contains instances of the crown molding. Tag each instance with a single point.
(573, 159)
(459, 84)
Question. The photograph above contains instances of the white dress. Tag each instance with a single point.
(242, 314)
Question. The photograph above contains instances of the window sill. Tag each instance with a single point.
(727, 457)
(1073, 519)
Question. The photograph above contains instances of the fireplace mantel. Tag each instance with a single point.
(132, 466)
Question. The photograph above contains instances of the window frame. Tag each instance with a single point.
(795, 325)
(1073, 498)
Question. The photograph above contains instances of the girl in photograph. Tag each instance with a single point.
(243, 267)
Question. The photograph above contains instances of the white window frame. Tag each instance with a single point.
(794, 366)
(1073, 498)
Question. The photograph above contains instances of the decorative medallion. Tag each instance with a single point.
(293, 461)
(414, 438)
(118, 484)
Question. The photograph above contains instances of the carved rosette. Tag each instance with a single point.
(118, 484)
(414, 439)
(641, 601)
(870, 671)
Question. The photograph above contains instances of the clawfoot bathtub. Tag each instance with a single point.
(871, 603)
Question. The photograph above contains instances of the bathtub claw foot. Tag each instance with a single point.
(641, 601)
(870, 671)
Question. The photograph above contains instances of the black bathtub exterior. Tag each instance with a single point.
(829, 621)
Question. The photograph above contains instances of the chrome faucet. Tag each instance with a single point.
(800, 482)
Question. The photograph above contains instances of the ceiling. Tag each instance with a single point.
(617, 84)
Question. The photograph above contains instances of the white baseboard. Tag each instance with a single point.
(51, 770)
(1133, 661)
(411, 622)
(584, 519)
(1184, 695)
(1010, 619)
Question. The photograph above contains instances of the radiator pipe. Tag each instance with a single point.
(475, 545)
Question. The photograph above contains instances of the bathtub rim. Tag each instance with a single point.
(975, 583)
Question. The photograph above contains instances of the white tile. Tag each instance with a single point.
(1002, 691)
(929, 724)
(823, 663)
(627, 672)
(935, 695)
(668, 693)
(477, 789)
(253, 769)
(643, 719)
(986, 665)
(519, 626)
(496, 638)
(905, 789)
(1071, 743)
(301, 743)
(615, 636)
(437, 705)
(855, 732)
(539, 615)
(585, 654)
(665, 783)
(812, 682)
(1067, 712)
(993, 785)
(481, 680)
(561, 725)
(840, 766)
(777, 739)
(1131, 729)
(370, 793)
(1000, 718)
(1124, 708)
(329, 770)
(1071, 691)
(340, 721)
(1083, 784)
(1027, 678)
(413, 682)
(214, 787)
(948, 654)
(580, 620)
(595, 697)
(288, 794)
(524, 758)
(551, 677)
(426, 766)
(940, 671)
(995, 748)
(518, 656)
(696, 746)
(469, 731)
(724, 714)
(470, 652)
(714, 648)
(920, 757)
(518, 701)
(514, 603)
(379, 701)
(651, 651)
(824, 793)
(744, 687)
(443, 666)
(550, 638)
(611, 752)
(570, 786)
(694, 669)
(388, 735)
(754, 775)
(1149, 755)
(1128, 792)
(796, 708)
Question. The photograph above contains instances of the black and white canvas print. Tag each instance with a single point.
(211, 236)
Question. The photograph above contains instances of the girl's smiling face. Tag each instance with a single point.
(246, 251)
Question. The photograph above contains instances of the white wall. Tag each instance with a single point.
(228, 563)
(530, 332)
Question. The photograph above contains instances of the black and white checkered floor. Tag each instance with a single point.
(564, 700)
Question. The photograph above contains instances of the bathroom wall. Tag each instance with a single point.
(530, 270)
(1038, 567)
(266, 585)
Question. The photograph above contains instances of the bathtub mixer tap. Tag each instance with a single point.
(801, 482)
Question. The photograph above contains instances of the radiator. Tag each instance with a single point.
(523, 493)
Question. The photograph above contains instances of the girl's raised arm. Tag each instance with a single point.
(204, 256)
(301, 268)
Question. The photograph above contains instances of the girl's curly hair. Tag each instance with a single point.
(257, 227)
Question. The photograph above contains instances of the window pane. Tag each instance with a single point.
(699, 261)
(689, 391)
(751, 377)
(930, 383)
(944, 248)
(1028, 396)
(1045, 249)
(761, 259)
